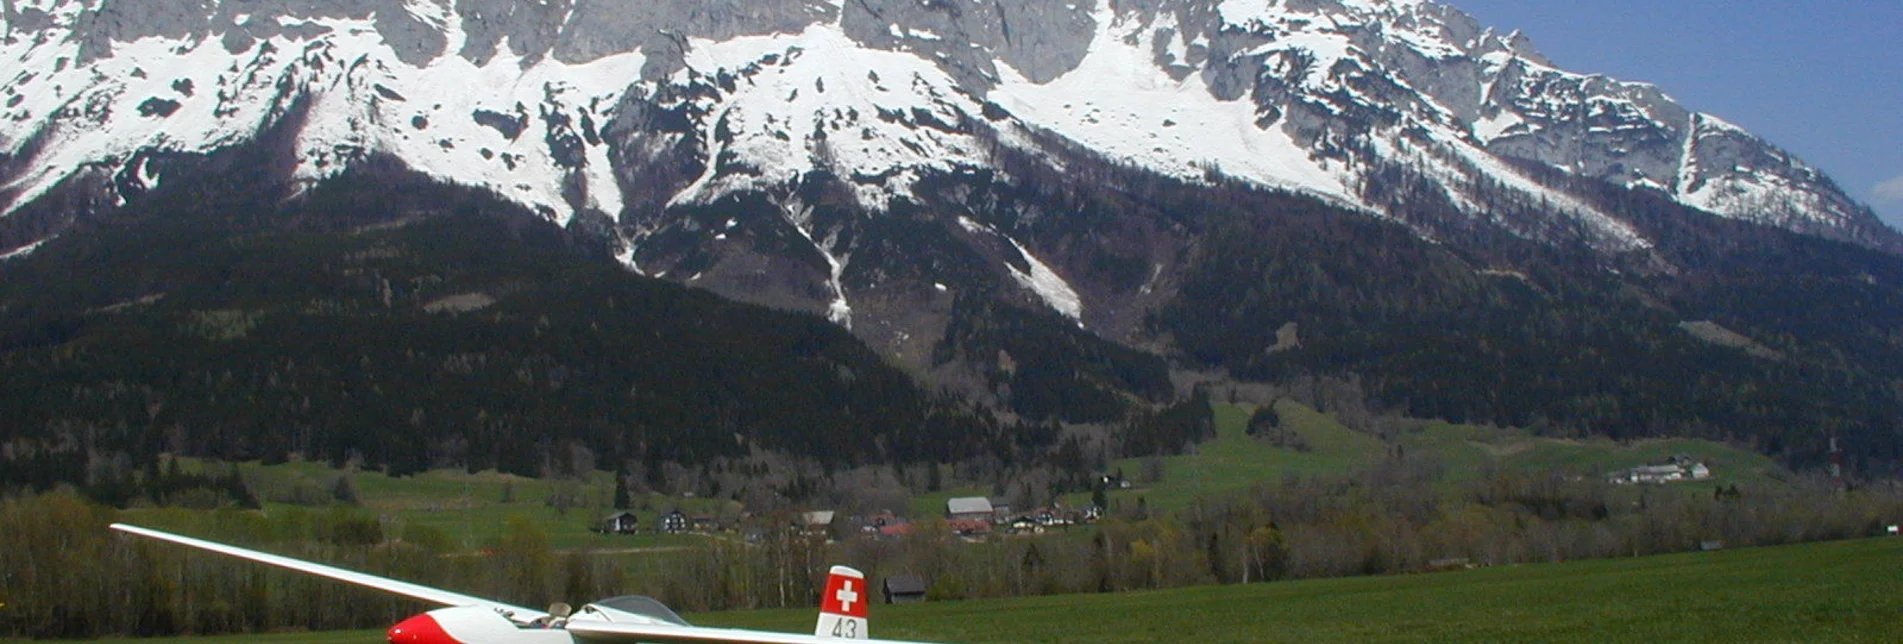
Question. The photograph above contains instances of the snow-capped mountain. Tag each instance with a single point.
(1062, 209)
(664, 119)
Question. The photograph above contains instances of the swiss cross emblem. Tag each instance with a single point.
(846, 597)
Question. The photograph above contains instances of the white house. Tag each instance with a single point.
(819, 520)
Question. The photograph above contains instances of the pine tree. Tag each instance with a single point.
(621, 492)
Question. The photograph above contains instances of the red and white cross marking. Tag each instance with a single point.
(845, 593)
(842, 607)
(846, 597)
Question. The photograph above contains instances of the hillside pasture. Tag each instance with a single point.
(1235, 461)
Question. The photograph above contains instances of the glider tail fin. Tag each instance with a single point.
(842, 607)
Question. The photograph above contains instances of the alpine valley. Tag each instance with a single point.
(505, 233)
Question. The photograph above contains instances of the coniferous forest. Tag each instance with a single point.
(408, 325)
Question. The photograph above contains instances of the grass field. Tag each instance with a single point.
(1235, 461)
(473, 509)
(1848, 591)
(1831, 592)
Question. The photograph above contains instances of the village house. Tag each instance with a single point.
(619, 523)
(969, 528)
(817, 523)
(1679, 468)
(1025, 525)
(674, 522)
(875, 525)
(1000, 510)
(969, 508)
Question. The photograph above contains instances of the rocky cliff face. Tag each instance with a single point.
(767, 148)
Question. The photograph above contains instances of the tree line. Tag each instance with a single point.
(1397, 515)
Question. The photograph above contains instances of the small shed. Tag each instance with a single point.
(904, 589)
(619, 523)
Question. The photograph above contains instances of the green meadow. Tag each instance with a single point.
(1844, 591)
(1827, 592)
(470, 509)
(1236, 461)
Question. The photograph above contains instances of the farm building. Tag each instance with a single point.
(1681, 468)
(969, 508)
(904, 589)
(619, 523)
(674, 522)
(969, 528)
(817, 523)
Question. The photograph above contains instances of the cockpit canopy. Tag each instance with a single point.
(620, 609)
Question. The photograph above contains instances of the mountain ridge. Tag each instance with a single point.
(1383, 194)
(1334, 90)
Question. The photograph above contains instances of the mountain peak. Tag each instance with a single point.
(575, 107)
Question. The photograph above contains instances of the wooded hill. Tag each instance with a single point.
(405, 324)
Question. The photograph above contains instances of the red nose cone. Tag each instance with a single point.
(421, 629)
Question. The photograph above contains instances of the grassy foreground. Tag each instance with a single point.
(1845, 591)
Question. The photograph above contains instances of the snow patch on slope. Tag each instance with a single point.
(813, 100)
(23, 251)
(1120, 104)
(800, 216)
(103, 114)
(1043, 281)
(432, 122)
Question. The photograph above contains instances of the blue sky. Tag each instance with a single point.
(1820, 78)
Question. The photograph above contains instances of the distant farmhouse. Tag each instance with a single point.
(1678, 468)
(674, 522)
(619, 523)
(817, 523)
(969, 528)
(969, 508)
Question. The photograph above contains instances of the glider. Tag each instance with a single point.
(621, 620)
